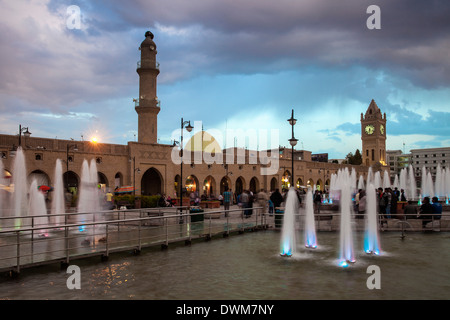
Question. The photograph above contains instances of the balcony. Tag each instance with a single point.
(147, 63)
(136, 103)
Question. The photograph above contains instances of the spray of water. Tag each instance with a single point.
(371, 238)
(288, 237)
(310, 227)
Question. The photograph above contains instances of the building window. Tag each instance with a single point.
(98, 160)
(38, 156)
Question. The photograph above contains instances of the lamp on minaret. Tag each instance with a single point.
(148, 105)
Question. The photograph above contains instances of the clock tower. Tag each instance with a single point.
(373, 136)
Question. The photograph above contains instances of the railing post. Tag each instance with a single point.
(139, 233)
(18, 252)
(209, 226)
(107, 240)
(167, 232)
(66, 238)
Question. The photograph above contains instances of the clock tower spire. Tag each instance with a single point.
(373, 136)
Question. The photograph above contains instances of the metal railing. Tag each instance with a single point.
(139, 64)
(100, 233)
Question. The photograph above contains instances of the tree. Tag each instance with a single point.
(355, 159)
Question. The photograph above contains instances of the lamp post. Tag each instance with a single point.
(293, 143)
(189, 129)
(75, 148)
(134, 175)
(26, 133)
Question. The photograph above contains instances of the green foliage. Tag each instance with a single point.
(355, 159)
(129, 200)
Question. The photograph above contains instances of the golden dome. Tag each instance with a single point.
(203, 141)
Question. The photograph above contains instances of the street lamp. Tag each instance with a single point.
(189, 129)
(138, 170)
(26, 133)
(293, 143)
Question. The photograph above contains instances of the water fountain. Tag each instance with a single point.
(288, 234)
(19, 198)
(58, 201)
(361, 183)
(88, 202)
(386, 180)
(310, 227)
(412, 187)
(37, 208)
(377, 179)
(346, 255)
(371, 239)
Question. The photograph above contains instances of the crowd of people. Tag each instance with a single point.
(387, 200)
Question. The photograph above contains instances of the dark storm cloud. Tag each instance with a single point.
(263, 36)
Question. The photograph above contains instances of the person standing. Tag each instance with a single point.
(262, 199)
(276, 198)
(244, 201)
(388, 200)
(226, 201)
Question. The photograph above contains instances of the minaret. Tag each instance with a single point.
(373, 136)
(147, 106)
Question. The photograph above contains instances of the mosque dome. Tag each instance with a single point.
(203, 141)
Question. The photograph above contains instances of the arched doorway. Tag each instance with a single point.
(310, 183)
(319, 185)
(40, 176)
(240, 185)
(191, 184)
(299, 183)
(254, 185)
(225, 183)
(209, 187)
(102, 180)
(152, 182)
(285, 180)
(118, 180)
(273, 184)
(71, 180)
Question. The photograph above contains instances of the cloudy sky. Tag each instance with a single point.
(229, 64)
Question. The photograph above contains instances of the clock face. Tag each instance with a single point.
(369, 129)
(382, 129)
